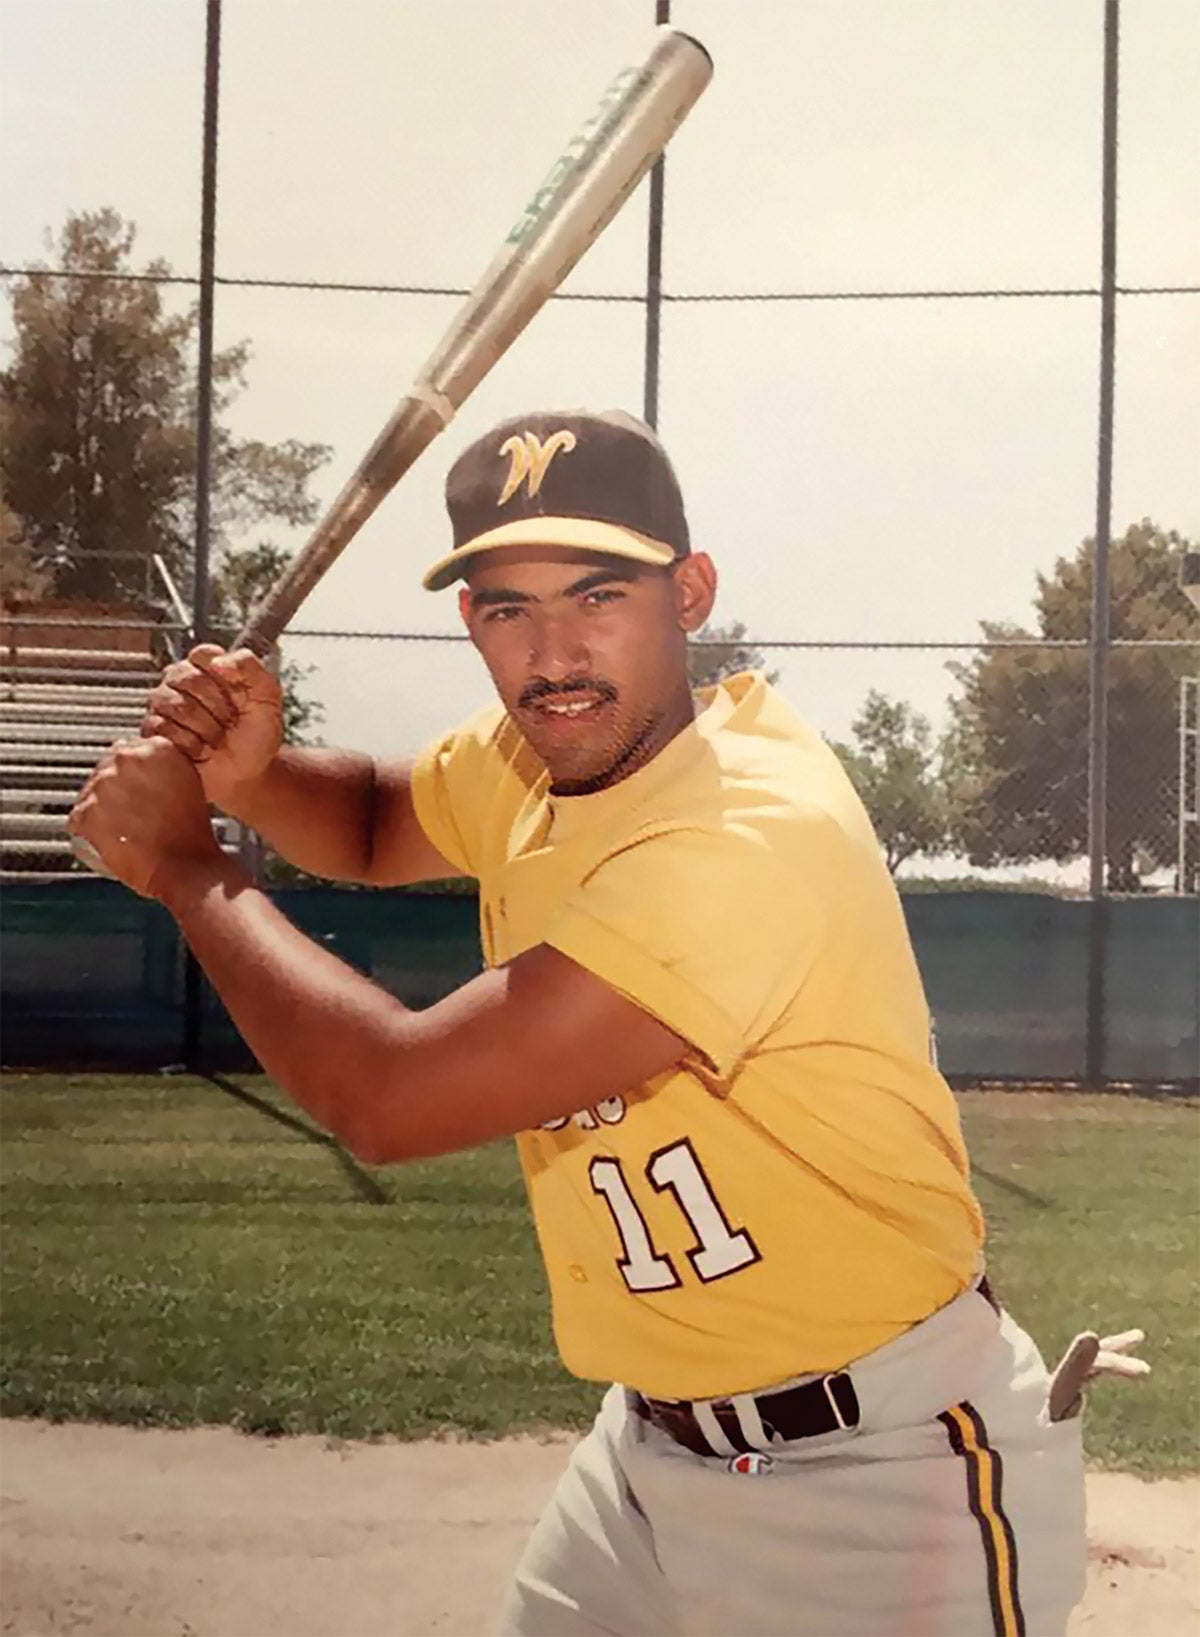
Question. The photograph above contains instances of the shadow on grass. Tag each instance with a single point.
(1008, 1186)
(363, 1183)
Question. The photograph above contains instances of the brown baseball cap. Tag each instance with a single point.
(596, 481)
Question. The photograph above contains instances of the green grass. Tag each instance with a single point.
(1091, 1204)
(174, 1255)
(178, 1253)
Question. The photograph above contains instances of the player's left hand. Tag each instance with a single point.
(1089, 1356)
(143, 810)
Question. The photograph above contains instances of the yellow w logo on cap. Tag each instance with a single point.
(530, 457)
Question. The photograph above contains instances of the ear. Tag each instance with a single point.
(464, 605)
(695, 590)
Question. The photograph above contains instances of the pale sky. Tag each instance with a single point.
(865, 470)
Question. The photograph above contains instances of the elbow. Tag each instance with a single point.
(371, 1148)
(371, 1140)
(365, 1140)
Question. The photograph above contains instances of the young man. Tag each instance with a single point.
(702, 1019)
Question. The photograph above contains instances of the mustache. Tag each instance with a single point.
(541, 689)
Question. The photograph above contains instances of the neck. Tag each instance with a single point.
(649, 743)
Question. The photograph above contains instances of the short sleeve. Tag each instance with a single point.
(451, 782)
(710, 930)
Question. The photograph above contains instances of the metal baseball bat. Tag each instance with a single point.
(589, 182)
(587, 185)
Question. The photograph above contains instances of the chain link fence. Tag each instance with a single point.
(852, 409)
(972, 759)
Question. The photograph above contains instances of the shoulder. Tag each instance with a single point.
(764, 787)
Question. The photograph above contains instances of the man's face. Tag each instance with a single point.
(588, 654)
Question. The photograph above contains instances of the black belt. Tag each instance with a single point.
(828, 1404)
(825, 1405)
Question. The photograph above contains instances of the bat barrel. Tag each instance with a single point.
(587, 185)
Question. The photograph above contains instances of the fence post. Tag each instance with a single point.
(193, 979)
(1099, 635)
(654, 235)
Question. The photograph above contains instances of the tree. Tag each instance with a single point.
(895, 767)
(97, 425)
(1019, 735)
(21, 583)
(722, 650)
(241, 580)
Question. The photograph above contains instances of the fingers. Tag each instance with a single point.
(192, 711)
(106, 768)
(241, 672)
(201, 699)
(1113, 1358)
(198, 688)
(196, 747)
(1116, 1364)
(194, 701)
(1124, 1342)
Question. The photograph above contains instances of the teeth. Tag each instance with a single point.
(575, 708)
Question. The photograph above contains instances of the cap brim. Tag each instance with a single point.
(580, 533)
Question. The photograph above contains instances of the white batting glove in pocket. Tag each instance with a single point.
(1089, 1356)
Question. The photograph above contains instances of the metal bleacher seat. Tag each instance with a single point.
(73, 678)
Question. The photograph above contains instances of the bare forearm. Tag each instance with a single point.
(324, 1033)
(316, 808)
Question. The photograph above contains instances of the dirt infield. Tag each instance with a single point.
(120, 1533)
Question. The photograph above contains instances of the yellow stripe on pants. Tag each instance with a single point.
(968, 1438)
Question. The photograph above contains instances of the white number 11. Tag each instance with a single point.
(719, 1249)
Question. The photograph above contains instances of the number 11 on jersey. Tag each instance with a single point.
(719, 1250)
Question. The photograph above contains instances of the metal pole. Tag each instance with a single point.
(208, 241)
(1099, 649)
(193, 982)
(662, 14)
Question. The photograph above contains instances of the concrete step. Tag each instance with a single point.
(20, 752)
(15, 800)
(84, 735)
(51, 776)
(30, 877)
(24, 830)
(68, 692)
(17, 657)
(29, 826)
(126, 681)
(14, 848)
(27, 849)
(117, 716)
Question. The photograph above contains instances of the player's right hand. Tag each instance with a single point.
(224, 712)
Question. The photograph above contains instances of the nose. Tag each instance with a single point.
(559, 649)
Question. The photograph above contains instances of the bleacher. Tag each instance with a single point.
(74, 675)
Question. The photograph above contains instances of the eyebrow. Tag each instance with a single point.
(589, 582)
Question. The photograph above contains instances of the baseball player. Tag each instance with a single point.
(702, 1020)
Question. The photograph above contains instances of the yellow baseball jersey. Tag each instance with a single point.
(795, 1193)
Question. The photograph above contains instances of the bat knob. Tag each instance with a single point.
(87, 855)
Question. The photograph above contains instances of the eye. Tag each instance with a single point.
(603, 594)
(501, 616)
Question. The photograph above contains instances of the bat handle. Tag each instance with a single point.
(88, 856)
(250, 637)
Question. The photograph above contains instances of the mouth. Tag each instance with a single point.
(564, 713)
